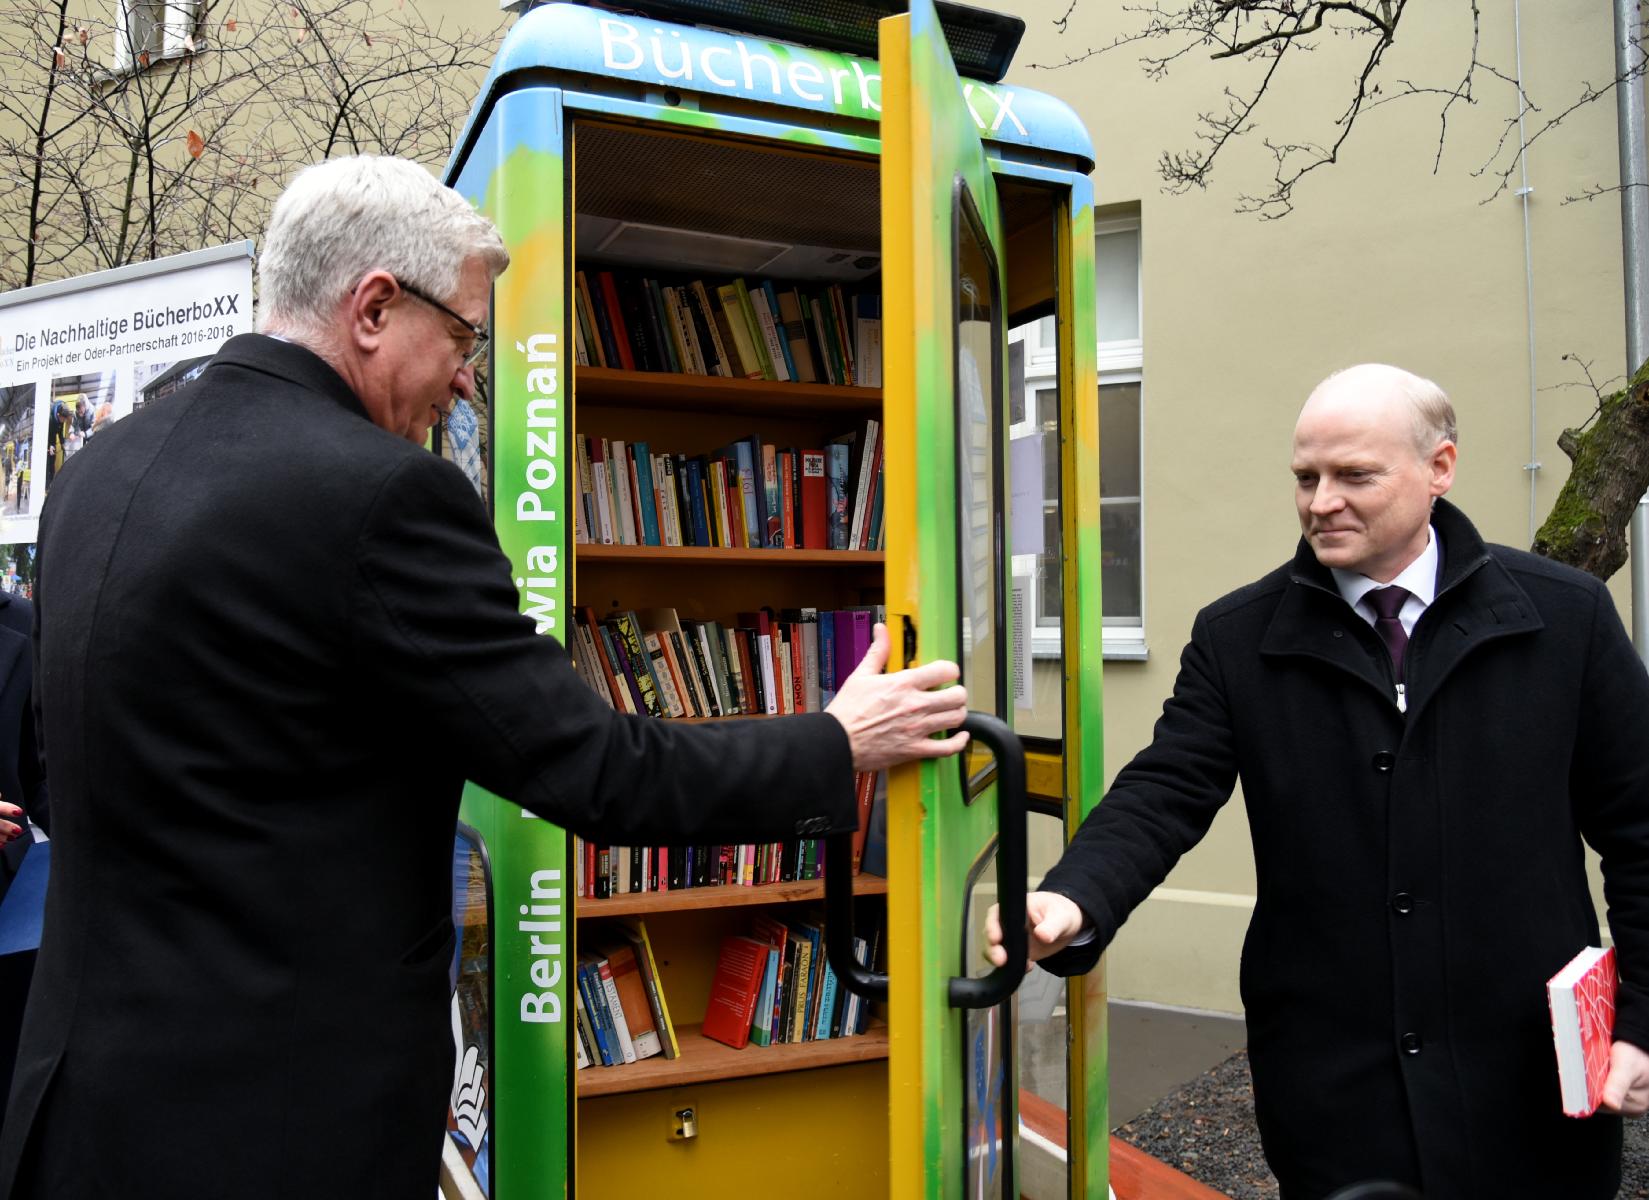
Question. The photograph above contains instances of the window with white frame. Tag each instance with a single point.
(147, 30)
(1034, 378)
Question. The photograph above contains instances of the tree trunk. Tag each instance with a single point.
(1588, 522)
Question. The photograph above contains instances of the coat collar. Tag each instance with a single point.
(1477, 601)
(290, 362)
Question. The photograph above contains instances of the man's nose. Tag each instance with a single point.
(463, 383)
(1325, 499)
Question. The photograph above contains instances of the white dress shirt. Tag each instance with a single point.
(1419, 579)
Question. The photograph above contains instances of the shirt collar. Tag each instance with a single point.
(1419, 577)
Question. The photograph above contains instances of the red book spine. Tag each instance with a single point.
(815, 501)
(615, 315)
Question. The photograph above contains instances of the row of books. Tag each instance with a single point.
(619, 1000)
(600, 871)
(738, 330)
(775, 985)
(748, 495)
(650, 662)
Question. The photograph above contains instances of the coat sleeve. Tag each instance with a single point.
(1609, 780)
(1160, 805)
(436, 631)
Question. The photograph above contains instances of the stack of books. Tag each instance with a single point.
(775, 986)
(808, 333)
(749, 495)
(621, 1012)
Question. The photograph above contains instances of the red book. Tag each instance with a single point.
(733, 991)
(615, 317)
(1582, 999)
(815, 501)
(864, 789)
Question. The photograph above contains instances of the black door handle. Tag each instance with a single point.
(850, 972)
(1001, 983)
(1012, 869)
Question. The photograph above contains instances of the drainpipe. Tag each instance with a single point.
(1634, 230)
(1531, 468)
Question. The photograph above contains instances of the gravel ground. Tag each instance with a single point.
(1206, 1129)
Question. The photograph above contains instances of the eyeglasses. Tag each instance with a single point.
(478, 346)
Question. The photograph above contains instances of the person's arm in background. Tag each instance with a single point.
(1160, 805)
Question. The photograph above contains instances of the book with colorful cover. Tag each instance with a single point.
(624, 970)
(733, 990)
(1582, 1001)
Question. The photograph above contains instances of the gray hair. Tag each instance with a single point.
(340, 219)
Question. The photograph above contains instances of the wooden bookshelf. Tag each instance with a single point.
(705, 1061)
(716, 393)
(699, 899)
(700, 556)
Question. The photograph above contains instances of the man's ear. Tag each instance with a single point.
(368, 308)
(1442, 467)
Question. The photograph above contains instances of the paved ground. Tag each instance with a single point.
(1206, 1129)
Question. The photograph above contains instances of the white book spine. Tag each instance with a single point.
(616, 1009)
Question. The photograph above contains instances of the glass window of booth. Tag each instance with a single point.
(1034, 379)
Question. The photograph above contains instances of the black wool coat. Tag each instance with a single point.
(1419, 876)
(274, 640)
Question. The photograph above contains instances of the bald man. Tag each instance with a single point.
(1426, 729)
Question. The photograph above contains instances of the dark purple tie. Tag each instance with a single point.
(1387, 602)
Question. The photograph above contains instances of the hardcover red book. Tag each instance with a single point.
(733, 991)
(815, 501)
(1582, 1000)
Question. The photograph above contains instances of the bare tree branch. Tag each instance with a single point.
(102, 165)
(1268, 31)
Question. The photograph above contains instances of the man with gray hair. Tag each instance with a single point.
(276, 636)
(1426, 729)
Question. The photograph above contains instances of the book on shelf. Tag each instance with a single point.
(636, 933)
(733, 990)
(630, 991)
(605, 989)
(1582, 1001)
(593, 999)
(586, 1051)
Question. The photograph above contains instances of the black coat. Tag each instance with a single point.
(1419, 878)
(274, 641)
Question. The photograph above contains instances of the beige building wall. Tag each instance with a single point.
(1384, 259)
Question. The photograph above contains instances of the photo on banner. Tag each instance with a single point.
(16, 444)
(17, 566)
(78, 355)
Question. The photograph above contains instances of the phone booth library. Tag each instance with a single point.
(750, 391)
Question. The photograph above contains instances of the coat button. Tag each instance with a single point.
(1402, 904)
(1384, 761)
(1410, 1043)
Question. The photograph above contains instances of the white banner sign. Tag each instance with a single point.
(78, 355)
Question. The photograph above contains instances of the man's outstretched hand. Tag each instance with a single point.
(1053, 920)
(891, 719)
